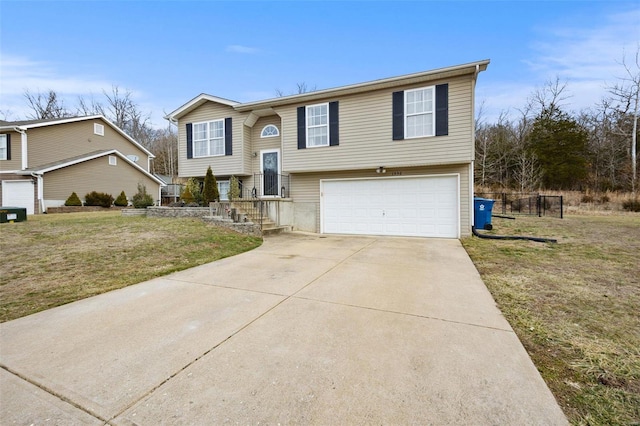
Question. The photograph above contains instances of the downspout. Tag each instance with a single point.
(40, 180)
(473, 148)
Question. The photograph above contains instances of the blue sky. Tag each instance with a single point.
(167, 52)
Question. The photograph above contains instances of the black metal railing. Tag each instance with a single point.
(270, 185)
(532, 204)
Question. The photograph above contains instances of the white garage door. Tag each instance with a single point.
(18, 193)
(425, 206)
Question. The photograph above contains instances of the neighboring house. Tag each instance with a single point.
(43, 161)
(387, 157)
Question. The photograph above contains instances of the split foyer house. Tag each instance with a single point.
(43, 161)
(387, 157)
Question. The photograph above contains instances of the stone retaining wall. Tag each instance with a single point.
(177, 211)
(248, 228)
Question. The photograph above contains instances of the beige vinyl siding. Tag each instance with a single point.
(58, 142)
(226, 165)
(97, 175)
(264, 143)
(16, 152)
(365, 122)
(305, 187)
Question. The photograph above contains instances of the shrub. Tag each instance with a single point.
(605, 199)
(210, 191)
(187, 196)
(100, 199)
(632, 205)
(234, 188)
(73, 200)
(121, 201)
(196, 189)
(142, 200)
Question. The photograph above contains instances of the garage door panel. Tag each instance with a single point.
(415, 206)
(18, 193)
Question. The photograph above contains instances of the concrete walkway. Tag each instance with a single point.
(306, 329)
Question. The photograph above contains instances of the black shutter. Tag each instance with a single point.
(8, 147)
(442, 109)
(228, 137)
(189, 140)
(398, 115)
(302, 128)
(334, 133)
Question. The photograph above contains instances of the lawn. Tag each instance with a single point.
(575, 306)
(50, 260)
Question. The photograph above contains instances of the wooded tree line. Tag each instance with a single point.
(118, 107)
(546, 147)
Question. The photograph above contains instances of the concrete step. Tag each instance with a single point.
(275, 230)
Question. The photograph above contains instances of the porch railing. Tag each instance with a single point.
(270, 185)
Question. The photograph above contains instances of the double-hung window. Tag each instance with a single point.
(419, 106)
(317, 125)
(4, 149)
(208, 138)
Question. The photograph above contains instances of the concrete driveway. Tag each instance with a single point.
(306, 329)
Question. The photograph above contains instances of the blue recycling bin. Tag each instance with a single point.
(482, 213)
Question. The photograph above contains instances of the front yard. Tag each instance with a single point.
(50, 260)
(575, 306)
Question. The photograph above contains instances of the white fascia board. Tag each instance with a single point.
(196, 102)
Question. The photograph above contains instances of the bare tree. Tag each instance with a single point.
(627, 93)
(301, 87)
(46, 105)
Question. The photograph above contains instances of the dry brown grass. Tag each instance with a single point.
(50, 260)
(575, 307)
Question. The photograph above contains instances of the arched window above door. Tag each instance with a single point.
(269, 131)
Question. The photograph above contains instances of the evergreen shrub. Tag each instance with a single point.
(100, 199)
(121, 201)
(73, 200)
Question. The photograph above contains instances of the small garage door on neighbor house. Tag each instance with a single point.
(18, 193)
(424, 206)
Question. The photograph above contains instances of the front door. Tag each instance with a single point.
(270, 160)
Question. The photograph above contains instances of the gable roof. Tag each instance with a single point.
(45, 168)
(32, 124)
(196, 102)
(258, 106)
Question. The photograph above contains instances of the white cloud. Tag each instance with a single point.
(21, 74)
(237, 48)
(587, 59)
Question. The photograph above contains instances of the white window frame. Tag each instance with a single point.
(432, 112)
(270, 135)
(98, 129)
(310, 127)
(208, 140)
(3, 147)
(113, 160)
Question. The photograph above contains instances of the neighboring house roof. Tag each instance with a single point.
(31, 124)
(45, 168)
(265, 105)
(196, 102)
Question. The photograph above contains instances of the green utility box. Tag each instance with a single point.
(13, 214)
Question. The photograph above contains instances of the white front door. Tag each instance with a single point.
(425, 206)
(18, 193)
(270, 167)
